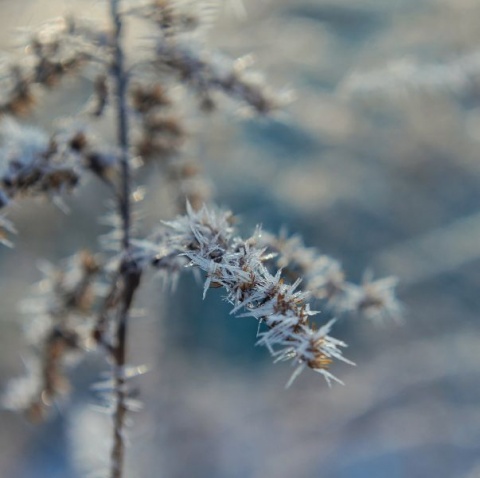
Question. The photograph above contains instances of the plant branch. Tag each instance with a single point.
(131, 274)
(129, 269)
(120, 78)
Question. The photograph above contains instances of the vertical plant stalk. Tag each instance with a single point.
(129, 271)
(120, 78)
(131, 279)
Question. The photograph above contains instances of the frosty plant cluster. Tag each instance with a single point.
(207, 240)
(84, 304)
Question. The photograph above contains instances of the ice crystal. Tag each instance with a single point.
(207, 238)
(325, 279)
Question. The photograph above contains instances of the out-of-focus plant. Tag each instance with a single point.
(85, 303)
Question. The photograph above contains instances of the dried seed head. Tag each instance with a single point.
(17, 97)
(147, 97)
(60, 329)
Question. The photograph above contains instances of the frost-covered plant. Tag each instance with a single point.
(85, 303)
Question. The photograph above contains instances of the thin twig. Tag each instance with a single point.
(129, 270)
(131, 276)
(120, 78)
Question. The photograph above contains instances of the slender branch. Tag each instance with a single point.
(131, 273)
(129, 270)
(120, 77)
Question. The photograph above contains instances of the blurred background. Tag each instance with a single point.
(376, 162)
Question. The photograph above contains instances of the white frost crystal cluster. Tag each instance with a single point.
(207, 239)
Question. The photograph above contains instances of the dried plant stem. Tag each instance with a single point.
(119, 75)
(129, 271)
(131, 279)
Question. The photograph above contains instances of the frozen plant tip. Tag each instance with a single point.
(60, 47)
(323, 277)
(33, 164)
(206, 237)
